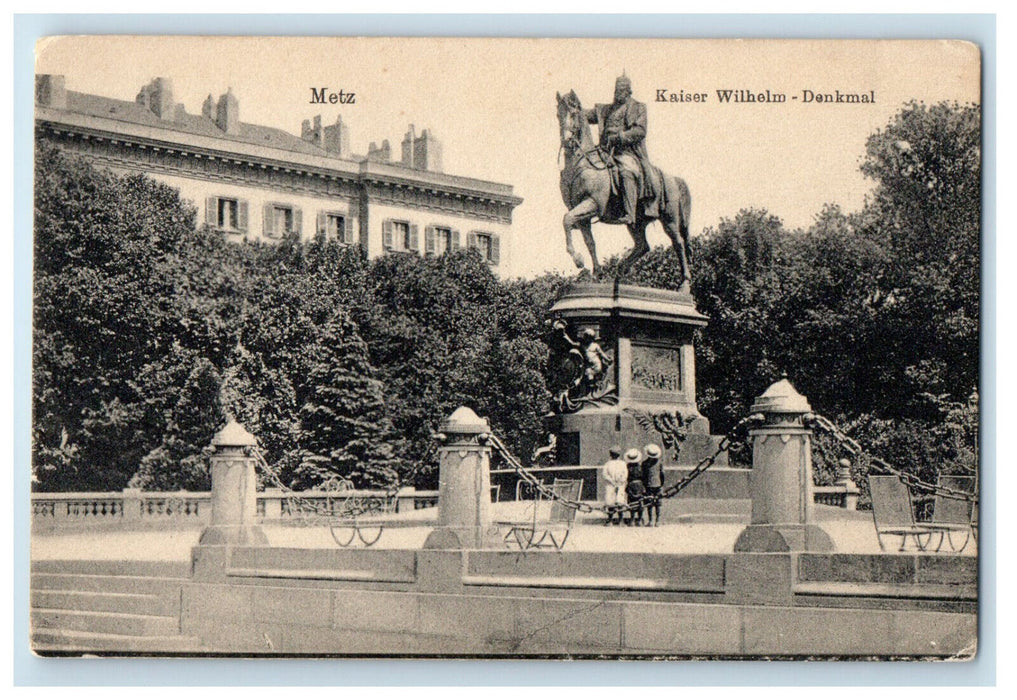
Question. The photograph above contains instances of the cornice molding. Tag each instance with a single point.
(401, 189)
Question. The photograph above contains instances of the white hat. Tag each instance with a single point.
(633, 456)
(652, 451)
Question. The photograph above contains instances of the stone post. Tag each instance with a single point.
(781, 479)
(234, 490)
(845, 481)
(132, 505)
(464, 485)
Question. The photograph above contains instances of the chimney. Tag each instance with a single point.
(336, 138)
(427, 152)
(408, 139)
(311, 134)
(380, 155)
(227, 113)
(51, 91)
(158, 97)
(207, 107)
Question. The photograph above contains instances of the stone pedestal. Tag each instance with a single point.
(464, 485)
(647, 333)
(781, 479)
(234, 518)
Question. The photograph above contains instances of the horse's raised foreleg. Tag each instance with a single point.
(581, 213)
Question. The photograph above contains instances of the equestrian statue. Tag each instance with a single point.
(614, 182)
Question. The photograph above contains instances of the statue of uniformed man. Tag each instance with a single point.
(622, 126)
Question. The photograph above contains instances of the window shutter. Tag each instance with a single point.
(322, 223)
(242, 215)
(429, 242)
(298, 220)
(212, 211)
(454, 240)
(268, 216)
(386, 234)
(495, 249)
(471, 240)
(414, 238)
(347, 230)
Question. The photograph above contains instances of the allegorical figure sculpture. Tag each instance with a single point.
(613, 181)
(586, 365)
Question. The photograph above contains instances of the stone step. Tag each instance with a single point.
(89, 583)
(106, 622)
(63, 641)
(112, 567)
(90, 601)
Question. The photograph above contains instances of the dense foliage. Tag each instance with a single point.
(149, 333)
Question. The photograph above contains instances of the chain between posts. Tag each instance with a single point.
(341, 487)
(736, 433)
(851, 446)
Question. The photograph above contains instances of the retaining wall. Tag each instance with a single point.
(492, 603)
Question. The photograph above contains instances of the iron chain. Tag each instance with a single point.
(736, 433)
(340, 487)
(852, 447)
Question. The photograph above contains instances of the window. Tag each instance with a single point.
(335, 225)
(399, 235)
(226, 213)
(487, 244)
(439, 240)
(282, 220)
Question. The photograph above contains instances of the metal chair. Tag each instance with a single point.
(955, 515)
(893, 514)
(555, 529)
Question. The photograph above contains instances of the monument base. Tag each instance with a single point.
(446, 537)
(648, 386)
(243, 535)
(783, 538)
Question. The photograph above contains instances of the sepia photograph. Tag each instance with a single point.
(506, 348)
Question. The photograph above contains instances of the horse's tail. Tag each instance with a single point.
(685, 204)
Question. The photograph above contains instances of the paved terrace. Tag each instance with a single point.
(851, 532)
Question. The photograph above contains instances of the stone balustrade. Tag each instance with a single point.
(135, 509)
(838, 496)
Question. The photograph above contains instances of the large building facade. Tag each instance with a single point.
(256, 182)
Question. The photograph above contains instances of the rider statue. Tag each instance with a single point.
(622, 126)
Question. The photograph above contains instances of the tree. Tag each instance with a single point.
(926, 212)
(106, 281)
(344, 427)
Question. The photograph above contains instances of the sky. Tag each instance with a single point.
(492, 104)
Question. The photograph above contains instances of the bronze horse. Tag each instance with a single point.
(586, 189)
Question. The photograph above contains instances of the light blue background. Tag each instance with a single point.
(29, 670)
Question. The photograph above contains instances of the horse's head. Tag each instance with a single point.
(570, 120)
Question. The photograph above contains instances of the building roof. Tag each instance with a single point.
(122, 110)
(97, 114)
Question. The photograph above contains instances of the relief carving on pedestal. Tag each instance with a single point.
(656, 368)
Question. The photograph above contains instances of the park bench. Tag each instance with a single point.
(893, 515)
(553, 531)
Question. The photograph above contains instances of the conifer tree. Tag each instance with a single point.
(344, 428)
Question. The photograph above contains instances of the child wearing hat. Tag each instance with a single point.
(616, 474)
(635, 490)
(653, 480)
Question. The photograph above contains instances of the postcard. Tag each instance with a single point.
(487, 348)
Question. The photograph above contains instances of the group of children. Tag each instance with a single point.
(637, 479)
